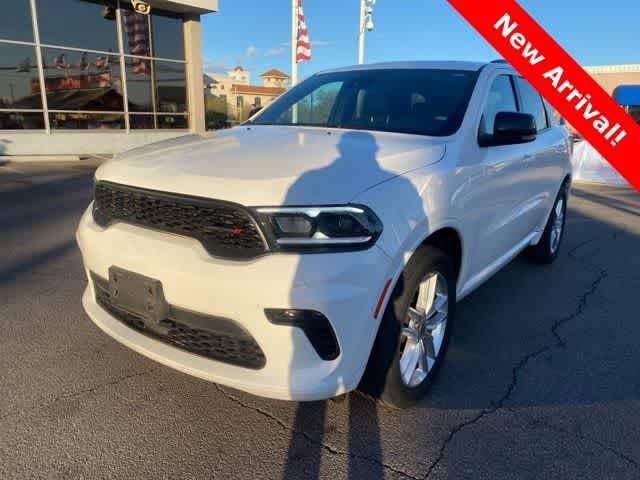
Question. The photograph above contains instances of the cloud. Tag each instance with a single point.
(251, 51)
(214, 66)
(273, 52)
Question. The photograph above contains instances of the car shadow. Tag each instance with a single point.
(357, 150)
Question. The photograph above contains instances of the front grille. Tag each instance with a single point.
(222, 339)
(225, 229)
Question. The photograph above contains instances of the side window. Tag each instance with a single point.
(532, 103)
(501, 98)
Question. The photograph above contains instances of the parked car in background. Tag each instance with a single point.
(323, 245)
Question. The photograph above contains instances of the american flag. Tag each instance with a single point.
(137, 30)
(303, 45)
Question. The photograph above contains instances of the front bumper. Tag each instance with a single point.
(343, 286)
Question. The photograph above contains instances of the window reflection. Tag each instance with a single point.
(86, 121)
(81, 62)
(139, 87)
(141, 122)
(171, 87)
(172, 121)
(19, 81)
(135, 31)
(82, 81)
(634, 111)
(21, 120)
(78, 23)
(15, 21)
(168, 37)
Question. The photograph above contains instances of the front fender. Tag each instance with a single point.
(411, 208)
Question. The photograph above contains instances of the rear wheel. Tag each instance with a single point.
(546, 251)
(414, 331)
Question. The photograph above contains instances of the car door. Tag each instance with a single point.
(498, 195)
(540, 173)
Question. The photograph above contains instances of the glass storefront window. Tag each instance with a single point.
(172, 121)
(171, 87)
(86, 24)
(81, 66)
(141, 122)
(15, 21)
(634, 111)
(19, 81)
(82, 81)
(139, 88)
(135, 33)
(86, 121)
(168, 37)
(21, 121)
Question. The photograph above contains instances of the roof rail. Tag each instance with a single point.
(499, 60)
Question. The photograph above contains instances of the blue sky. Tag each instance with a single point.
(255, 33)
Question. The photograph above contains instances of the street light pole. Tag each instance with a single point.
(366, 25)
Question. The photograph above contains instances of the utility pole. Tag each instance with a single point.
(366, 24)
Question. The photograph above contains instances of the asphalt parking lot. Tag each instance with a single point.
(542, 378)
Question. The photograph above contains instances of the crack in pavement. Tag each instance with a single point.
(536, 422)
(309, 438)
(78, 393)
(515, 371)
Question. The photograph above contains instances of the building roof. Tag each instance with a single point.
(238, 67)
(628, 68)
(275, 73)
(185, 6)
(256, 90)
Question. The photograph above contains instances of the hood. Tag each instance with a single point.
(273, 165)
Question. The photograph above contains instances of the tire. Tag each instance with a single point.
(546, 251)
(387, 376)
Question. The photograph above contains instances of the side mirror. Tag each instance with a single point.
(510, 128)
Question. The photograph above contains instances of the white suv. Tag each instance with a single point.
(322, 245)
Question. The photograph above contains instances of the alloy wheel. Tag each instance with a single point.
(557, 226)
(424, 329)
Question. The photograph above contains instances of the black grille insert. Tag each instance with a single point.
(212, 337)
(225, 229)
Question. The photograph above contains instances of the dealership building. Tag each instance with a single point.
(98, 76)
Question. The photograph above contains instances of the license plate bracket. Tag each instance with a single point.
(137, 294)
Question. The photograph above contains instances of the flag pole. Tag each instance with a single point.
(294, 54)
(294, 42)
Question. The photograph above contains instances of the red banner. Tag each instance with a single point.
(560, 79)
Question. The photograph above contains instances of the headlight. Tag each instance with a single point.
(320, 228)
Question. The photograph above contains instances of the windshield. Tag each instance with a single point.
(418, 101)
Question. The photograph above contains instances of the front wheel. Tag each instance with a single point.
(546, 251)
(414, 331)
